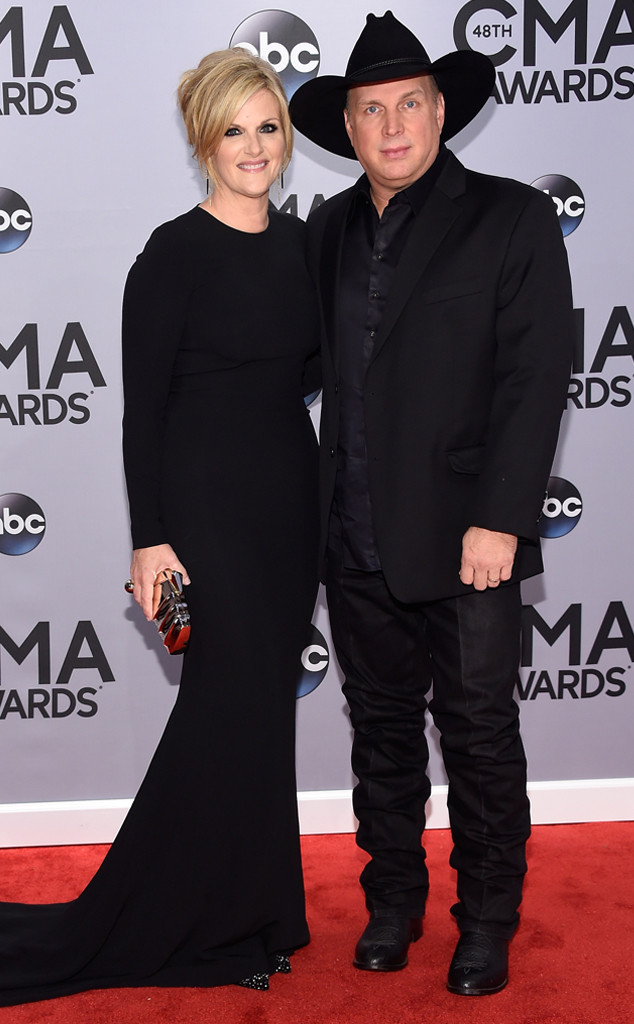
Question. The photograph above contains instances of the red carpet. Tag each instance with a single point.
(572, 960)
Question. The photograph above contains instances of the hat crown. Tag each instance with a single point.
(384, 41)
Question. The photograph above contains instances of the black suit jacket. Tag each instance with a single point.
(468, 378)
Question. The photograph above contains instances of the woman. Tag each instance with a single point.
(203, 884)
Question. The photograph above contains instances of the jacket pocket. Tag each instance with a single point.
(452, 290)
(467, 460)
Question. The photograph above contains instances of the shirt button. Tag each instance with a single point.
(372, 333)
(332, 453)
(375, 295)
(336, 389)
(379, 255)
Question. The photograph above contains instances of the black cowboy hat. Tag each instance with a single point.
(386, 50)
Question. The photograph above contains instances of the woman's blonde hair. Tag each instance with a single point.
(210, 95)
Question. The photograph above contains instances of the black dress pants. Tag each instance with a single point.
(391, 653)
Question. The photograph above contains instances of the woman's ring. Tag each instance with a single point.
(129, 586)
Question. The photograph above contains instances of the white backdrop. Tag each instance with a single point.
(92, 158)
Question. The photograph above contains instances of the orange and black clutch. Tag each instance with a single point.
(170, 611)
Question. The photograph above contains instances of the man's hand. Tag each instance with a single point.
(487, 557)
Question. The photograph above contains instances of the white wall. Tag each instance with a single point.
(92, 145)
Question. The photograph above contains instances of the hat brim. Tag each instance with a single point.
(465, 77)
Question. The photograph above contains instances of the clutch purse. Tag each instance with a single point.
(170, 611)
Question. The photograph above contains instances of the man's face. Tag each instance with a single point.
(395, 129)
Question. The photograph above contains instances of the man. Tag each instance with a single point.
(448, 321)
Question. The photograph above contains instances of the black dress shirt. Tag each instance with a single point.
(372, 247)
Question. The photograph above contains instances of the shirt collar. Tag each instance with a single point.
(415, 194)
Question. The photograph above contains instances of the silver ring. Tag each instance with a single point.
(489, 580)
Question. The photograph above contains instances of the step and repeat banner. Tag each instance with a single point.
(92, 157)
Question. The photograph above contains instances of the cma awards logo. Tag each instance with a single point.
(22, 524)
(27, 57)
(16, 220)
(584, 648)
(535, 30)
(597, 388)
(561, 510)
(21, 366)
(315, 661)
(285, 41)
(32, 655)
(567, 197)
(594, 383)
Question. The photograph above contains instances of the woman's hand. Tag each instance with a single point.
(146, 564)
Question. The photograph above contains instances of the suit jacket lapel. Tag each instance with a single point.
(427, 232)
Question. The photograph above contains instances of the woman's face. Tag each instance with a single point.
(251, 153)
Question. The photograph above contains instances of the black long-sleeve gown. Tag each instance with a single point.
(203, 883)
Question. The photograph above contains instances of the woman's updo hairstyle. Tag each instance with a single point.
(211, 94)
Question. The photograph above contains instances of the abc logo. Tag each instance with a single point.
(22, 524)
(561, 510)
(285, 41)
(15, 220)
(315, 660)
(567, 197)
